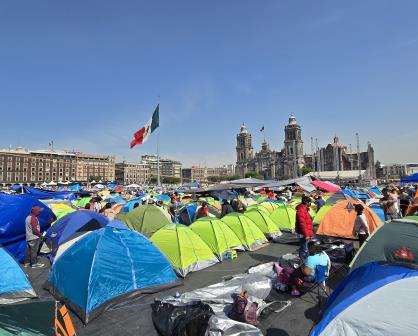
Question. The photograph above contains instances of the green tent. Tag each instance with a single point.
(217, 235)
(319, 216)
(63, 212)
(258, 207)
(264, 223)
(185, 250)
(285, 218)
(252, 238)
(270, 206)
(261, 199)
(81, 203)
(145, 219)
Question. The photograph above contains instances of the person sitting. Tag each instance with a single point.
(203, 211)
(307, 271)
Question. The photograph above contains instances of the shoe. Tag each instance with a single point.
(26, 265)
(38, 265)
(295, 292)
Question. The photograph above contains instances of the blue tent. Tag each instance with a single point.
(45, 194)
(163, 197)
(13, 211)
(378, 210)
(117, 199)
(186, 215)
(77, 221)
(106, 267)
(374, 299)
(349, 192)
(75, 187)
(14, 285)
(410, 179)
(129, 206)
(375, 190)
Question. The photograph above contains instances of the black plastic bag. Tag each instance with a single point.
(186, 320)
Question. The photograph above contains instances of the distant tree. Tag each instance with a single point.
(95, 178)
(305, 170)
(233, 177)
(254, 175)
(216, 178)
(170, 179)
(153, 179)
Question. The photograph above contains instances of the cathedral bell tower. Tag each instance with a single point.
(293, 149)
(244, 151)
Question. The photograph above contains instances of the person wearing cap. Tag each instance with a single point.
(304, 225)
(33, 238)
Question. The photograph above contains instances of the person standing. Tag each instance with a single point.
(389, 205)
(109, 212)
(304, 226)
(319, 201)
(33, 238)
(172, 209)
(361, 227)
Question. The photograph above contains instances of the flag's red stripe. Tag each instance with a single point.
(138, 137)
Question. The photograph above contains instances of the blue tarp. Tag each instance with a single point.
(375, 190)
(13, 281)
(77, 221)
(45, 194)
(410, 178)
(103, 266)
(357, 285)
(13, 211)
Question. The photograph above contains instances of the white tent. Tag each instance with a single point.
(52, 183)
(44, 184)
(133, 185)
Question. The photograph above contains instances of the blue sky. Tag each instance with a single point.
(87, 74)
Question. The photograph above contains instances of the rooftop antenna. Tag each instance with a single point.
(351, 158)
(319, 155)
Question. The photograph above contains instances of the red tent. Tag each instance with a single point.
(327, 187)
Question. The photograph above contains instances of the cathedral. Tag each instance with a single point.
(288, 162)
(271, 164)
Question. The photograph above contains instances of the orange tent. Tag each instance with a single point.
(413, 207)
(339, 220)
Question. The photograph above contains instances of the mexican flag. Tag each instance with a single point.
(142, 135)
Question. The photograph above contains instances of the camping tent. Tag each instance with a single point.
(13, 211)
(217, 235)
(187, 214)
(375, 299)
(46, 194)
(14, 285)
(145, 219)
(378, 210)
(394, 241)
(339, 220)
(107, 267)
(251, 237)
(410, 179)
(327, 187)
(28, 318)
(270, 206)
(264, 223)
(284, 217)
(72, 223)
(185, 250)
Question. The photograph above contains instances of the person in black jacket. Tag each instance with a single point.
(226, 208)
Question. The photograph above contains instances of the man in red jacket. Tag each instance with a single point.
(304, 226)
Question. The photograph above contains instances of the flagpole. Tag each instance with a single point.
(158, 154)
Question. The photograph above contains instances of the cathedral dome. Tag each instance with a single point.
(243, 129)
(292, 120)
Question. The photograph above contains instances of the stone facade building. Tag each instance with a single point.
(288, 162)
(168, 168)
(22, 165)
(269, 163)
(132, 172)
